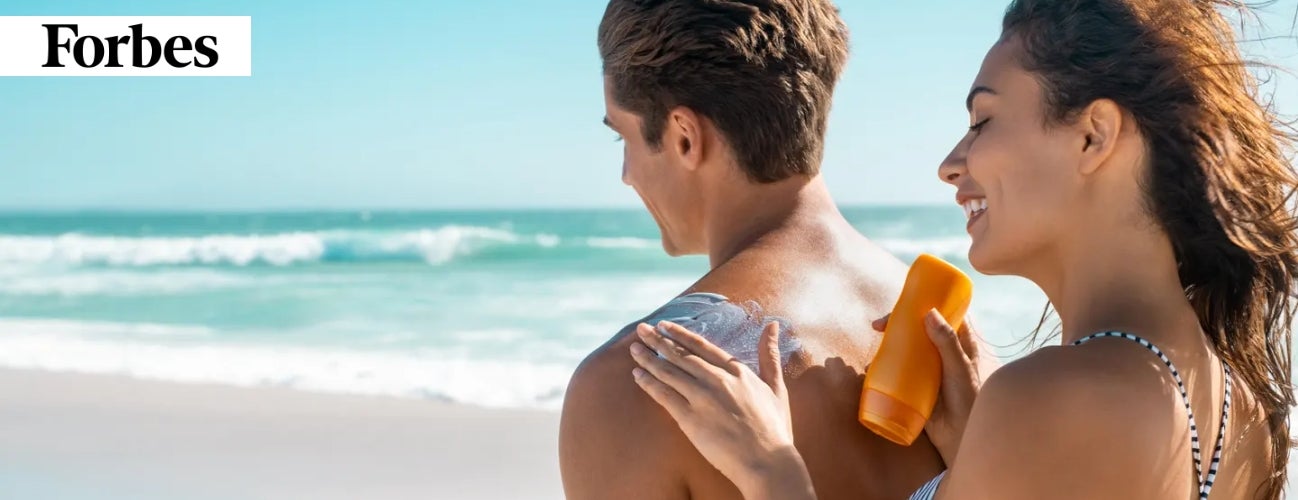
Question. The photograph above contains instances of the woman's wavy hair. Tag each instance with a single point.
(1220, 179)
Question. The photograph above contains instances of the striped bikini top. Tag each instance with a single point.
(929, 490)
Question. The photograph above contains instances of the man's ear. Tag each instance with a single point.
(683, 136)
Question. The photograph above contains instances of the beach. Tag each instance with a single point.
(81, 437)
(348, 355)
(95, 437)
(367, 265)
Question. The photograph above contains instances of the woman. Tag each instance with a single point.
(1117, 159)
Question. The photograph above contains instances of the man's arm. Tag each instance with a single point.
(615, 442)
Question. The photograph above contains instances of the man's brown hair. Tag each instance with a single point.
(763, 71)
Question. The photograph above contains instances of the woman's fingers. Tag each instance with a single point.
(946, 340)
(880, 324)
(674, 352)
(694, 343)
(768, 359)
(665, 371)
(969, 340)
(960, 382)
(663, 394)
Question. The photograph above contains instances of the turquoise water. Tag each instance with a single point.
(491, 308)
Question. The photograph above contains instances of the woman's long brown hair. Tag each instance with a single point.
(1220, 179)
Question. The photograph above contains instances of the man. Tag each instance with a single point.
(722, 106)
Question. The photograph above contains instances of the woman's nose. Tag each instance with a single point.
(954, 167)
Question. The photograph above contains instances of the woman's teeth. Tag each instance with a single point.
(974, 207)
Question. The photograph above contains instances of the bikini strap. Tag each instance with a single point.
(1205, 485)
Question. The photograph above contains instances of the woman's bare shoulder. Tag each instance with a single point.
(1086, 386)
(1066, 413)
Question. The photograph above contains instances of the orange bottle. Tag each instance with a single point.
(901, 384)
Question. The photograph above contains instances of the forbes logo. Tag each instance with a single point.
(126, 46)
(89, 51)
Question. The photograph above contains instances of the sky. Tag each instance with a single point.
(449, 104)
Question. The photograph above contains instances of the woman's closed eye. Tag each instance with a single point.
(977, 127)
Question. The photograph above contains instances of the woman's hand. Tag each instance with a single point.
(961, 381)
(738, 420)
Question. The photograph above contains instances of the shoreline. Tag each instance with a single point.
(83, 436)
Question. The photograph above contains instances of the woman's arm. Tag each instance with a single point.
(785, 478)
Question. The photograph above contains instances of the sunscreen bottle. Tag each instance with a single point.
(902, 383)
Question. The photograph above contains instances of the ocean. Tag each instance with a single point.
(488, 308)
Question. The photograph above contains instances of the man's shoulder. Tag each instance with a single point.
(600, 374)
(614, 440)
(602, 390)
(602, 393)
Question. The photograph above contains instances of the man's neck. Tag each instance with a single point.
(741, 218)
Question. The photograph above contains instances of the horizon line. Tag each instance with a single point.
(412, 209)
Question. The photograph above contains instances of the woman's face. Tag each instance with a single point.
(1012, 172)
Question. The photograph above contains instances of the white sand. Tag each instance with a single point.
(86, 436)
(82, 437)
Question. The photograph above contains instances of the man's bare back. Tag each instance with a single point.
(829, 283)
